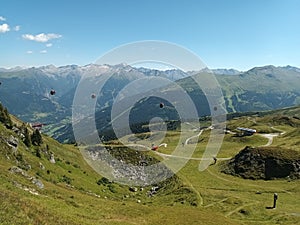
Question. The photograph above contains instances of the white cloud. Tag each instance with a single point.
(2, 18)
(49, 45)
(4, 28)
(17, 28)
(43, 51)
(29, 52)
(42, 37)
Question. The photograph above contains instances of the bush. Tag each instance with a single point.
(66, 179)
(38, 153)
(112, 188)
(103, 181)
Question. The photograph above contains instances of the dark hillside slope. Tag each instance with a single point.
(265, 163)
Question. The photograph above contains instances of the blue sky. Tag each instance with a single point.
(237, 34)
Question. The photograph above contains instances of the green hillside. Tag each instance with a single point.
(51, 183)
(261, 88)
(35, 190)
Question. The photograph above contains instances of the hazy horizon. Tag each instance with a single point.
(142, 66)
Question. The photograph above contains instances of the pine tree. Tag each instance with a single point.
(36, 138)
(27, 139)
(4, 117)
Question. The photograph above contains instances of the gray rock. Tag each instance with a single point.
(41, 166)
(13, 142)
(17, 170)
(133, 189)
(38, 183)
(155, 188)
(52, 160)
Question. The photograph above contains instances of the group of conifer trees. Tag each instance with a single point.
(34, 139)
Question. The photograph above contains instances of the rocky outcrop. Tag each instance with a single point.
(13, 142)
(36, 182)
(128, 165)
(264, 163)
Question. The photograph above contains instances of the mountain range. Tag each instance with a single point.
(26, 92)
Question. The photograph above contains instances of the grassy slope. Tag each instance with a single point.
(223, 199)
(78, 199)
(246, 200)
(249, 90)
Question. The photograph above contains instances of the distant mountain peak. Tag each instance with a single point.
(270, 69)
(293, 68)
(17, 68)
(226, 71)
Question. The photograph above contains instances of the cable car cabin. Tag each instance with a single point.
(246, 131)
(52, 92)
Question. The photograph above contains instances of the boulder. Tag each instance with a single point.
(37, 183)
(41, 166)
(133, 189)
(52, 160)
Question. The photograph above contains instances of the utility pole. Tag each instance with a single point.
(275, 199)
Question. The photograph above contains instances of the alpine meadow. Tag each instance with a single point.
(150, 112)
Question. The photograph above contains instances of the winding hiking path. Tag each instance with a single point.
(146, 148)
(239, 208)
(271, 136)
(186, 143)
(195, 136)
(191, 158)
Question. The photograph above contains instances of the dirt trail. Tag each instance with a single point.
(188, 139)
(191, 158)
(239, 208)
(269, 137)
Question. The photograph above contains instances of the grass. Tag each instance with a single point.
(67, 206)
(225, 194)
(74, 195)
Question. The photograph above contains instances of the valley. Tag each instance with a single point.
(207, 197)
(259, 89)
(149, 112)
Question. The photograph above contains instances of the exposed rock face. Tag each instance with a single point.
(13, 142)
(265, 163)
(127, 166)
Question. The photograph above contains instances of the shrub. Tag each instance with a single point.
(103, 181)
